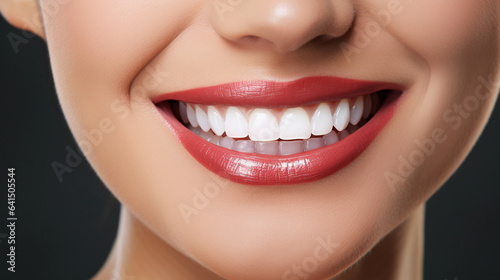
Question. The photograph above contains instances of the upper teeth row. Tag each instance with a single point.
(295, 123)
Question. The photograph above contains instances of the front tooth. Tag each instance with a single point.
(357, 110)
(267, 148)
(236, 124)
(263, 126)
(295, 124)
(215, 120)
(244, 146)
(342, 116)
(192, 116)
(183, 112)
(202, 119)
(291, 147)
(322, 122)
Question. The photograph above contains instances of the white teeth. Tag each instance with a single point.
(236, 124)
(183, 112)
(215, 140)
(357, 110)
(291, 147)
(294, 130)
(313, 144)
(295, 125)
(341, 116)
(267, 148)
(215, 120)
(227, 143)
(210, 137)
(202, 119)
(367, 107)
(244, 146)
(191, 114)
(331, 138)
(195, 130)
(263, 126)
(273, 148)
(205, 135)
(322, 121)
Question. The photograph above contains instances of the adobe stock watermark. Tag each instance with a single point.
(303, 270)
(94, 137)
(364, 36)
(202, 198)
(224, 6)
(47, 8)
(454, 116)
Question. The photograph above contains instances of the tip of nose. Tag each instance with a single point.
(285, 26)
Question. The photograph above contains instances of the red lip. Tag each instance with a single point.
(273, 94)
(256, 169)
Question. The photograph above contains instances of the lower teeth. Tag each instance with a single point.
(274, 148)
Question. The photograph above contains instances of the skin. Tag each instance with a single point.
(104, 52)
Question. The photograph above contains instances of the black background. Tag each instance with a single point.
(66, 229)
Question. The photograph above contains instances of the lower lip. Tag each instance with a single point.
(256, 169)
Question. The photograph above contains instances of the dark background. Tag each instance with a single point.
(66, 229)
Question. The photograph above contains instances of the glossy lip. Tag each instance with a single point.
(279, 94)
(256, 169)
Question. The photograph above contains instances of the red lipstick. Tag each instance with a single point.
(257, 169)
(279, 94)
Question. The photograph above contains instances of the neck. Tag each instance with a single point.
(139, 252)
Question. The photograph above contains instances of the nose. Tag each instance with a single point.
(285, 25)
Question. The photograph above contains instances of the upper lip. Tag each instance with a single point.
(300, 92)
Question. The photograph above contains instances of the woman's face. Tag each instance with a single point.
(309, 214)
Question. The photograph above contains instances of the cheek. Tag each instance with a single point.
(85, 36)
(97, 48)
(459, 42)
(442, 30)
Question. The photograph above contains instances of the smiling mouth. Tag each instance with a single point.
(271, 133)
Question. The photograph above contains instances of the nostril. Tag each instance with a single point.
(323, 38)
(250, 38)
(254, 41)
